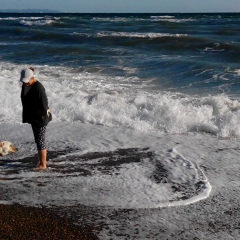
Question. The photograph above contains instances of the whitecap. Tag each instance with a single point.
(138, 34)
(36, 23)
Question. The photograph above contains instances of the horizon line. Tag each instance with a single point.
(60, 12)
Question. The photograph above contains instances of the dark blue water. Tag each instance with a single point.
(189, 53)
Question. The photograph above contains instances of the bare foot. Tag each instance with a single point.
(40, 167)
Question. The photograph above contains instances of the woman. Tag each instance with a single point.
(35, 111)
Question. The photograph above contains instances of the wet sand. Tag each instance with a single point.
(215, 218)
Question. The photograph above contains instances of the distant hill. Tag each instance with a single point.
(28, 11)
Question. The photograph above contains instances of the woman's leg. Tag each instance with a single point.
(39, 135)
(43, 159)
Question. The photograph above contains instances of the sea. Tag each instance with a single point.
(140, 105)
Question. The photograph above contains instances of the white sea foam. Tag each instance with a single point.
(37, 23)
(163, 179)
(169, 18)
(219, 158)
(165, 16)
(214, 49)
(9, 18)
(114, 102)
(138, 35)
(129, 34)
(116, 19)
(31, 21)
(237, 72)
(31, 18)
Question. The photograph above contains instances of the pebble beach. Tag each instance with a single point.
(21, 222)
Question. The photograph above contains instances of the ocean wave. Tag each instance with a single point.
(37, 23)
(166, 18)
(31, 18)
(237, 72)
(9, 18)
(115, 102)
(220, 47)
(138, 34)
(117, 19)
(26, 18)
(129, 35)
(171, 19)
(160, 17)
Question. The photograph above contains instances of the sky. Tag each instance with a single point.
(126, 6)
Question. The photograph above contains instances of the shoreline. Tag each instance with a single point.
(23, 222)
(215, 218)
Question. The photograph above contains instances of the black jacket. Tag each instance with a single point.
(35, 105)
